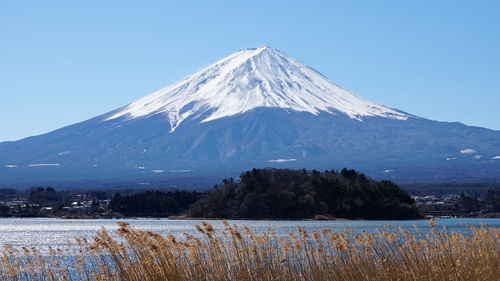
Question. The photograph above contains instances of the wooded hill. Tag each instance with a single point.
(298, 194)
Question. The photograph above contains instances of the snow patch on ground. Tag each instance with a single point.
(281, 160)
(468, 151)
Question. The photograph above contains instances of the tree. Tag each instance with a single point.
(4, 211)
(295, 194)
(44, 196)
(468, 204)
(153, 203)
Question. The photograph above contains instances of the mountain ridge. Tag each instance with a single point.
(251, 78)
(179, 132)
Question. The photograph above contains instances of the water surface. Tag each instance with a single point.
(44, 232)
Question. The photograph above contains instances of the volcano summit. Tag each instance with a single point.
(255, 108)
(250, 79)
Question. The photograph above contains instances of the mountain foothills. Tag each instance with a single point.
(255, 108)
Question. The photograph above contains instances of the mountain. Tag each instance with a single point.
(255, 108)
(251, 79)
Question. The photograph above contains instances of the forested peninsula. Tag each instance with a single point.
(256, 194)
(302, 194)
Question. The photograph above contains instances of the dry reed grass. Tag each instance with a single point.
(240, 254)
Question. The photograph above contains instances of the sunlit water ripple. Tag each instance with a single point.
(45, 232)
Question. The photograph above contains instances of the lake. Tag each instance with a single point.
(54, 232)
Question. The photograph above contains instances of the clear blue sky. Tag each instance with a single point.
(63, 62)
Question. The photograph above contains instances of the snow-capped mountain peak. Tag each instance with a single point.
(255, 108)
(248, 79)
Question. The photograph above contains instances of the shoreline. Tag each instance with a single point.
(181, 218)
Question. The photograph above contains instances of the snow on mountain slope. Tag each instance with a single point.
(255, 108)
(248, 79)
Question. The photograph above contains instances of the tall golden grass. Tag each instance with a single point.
(240, 254)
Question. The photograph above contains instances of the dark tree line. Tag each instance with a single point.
(477, 190)
(44, 196)
(490, 202)
(296, 194)
(257, 194)
(153, 203)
